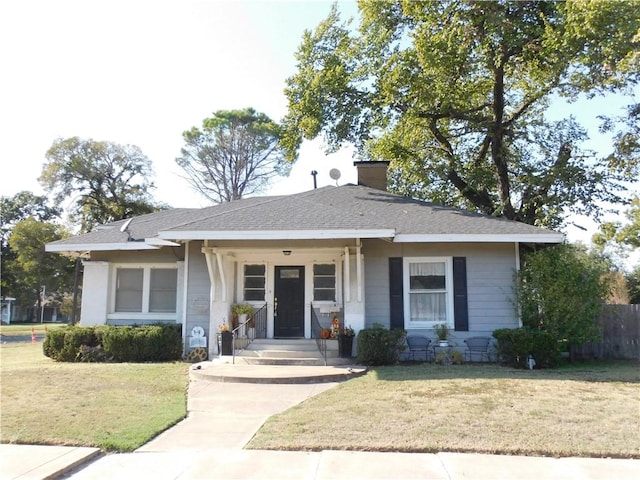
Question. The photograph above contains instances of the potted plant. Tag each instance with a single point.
(241, 311)
(225, 347)
(345, 342)
(442, 332)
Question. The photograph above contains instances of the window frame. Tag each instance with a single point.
(243, 277)
(335, 283)
(448, 291)
(145, 312)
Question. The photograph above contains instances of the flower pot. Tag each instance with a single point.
(345, 346)
(226, 343)
(443, 343)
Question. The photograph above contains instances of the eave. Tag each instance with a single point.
(480, 238)
(275, 234)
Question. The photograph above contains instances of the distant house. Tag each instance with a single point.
(357, 251)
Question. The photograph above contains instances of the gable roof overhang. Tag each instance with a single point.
(329, 234)
(480, 238)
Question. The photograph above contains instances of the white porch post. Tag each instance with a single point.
(95, 300)
(354, 306)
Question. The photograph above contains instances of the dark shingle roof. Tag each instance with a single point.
(348, 209)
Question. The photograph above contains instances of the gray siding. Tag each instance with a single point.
(490, 280)
(197, 301)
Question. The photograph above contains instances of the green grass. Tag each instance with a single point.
(116, 407)
(24, 329)
(578, 410)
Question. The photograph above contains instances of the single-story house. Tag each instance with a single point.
(355, 251)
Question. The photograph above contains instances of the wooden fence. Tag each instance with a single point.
(621, 334)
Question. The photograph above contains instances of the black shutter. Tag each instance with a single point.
(460, 308)
(396, 297)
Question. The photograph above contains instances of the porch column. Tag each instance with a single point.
(95, 300)
(354, 303)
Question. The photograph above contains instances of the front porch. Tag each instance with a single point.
(289, 286)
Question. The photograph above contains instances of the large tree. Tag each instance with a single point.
(13, 210)
(36, 268)
(106, 181)
(455, 94)
(234, 154)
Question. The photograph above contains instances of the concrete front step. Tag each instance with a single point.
(295, 352)
(309, 361)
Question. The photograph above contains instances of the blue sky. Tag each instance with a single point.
(142, 72)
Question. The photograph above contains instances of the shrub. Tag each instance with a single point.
(515, 346)
(560, 291)
(379, 346)
(148, 343)
(64, 344)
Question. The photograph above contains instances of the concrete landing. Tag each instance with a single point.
(221, 371)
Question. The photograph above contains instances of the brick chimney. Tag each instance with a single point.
(372, 174)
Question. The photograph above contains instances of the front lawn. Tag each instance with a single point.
(24, 329)
(117, 406)
(578, 410)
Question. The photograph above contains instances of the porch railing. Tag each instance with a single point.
(315, 334)
(254, 327)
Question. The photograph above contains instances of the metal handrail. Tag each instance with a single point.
(315, 333)
(254, 327)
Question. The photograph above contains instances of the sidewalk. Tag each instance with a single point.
(224, 416)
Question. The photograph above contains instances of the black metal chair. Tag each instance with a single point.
(477, 346)
(418, 344)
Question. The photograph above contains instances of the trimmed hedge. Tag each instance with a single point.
(515, 346)
(379, 346)
(145, 343)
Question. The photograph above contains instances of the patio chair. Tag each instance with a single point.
(478, 346)
(418, 344)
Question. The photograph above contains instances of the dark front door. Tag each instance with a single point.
(289, 302)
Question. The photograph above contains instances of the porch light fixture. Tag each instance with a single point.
(286, 252)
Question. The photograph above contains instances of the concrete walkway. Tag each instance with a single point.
(224, 416)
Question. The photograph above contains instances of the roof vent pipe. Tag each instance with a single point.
(315, 183)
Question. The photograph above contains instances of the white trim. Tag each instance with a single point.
(185, 291)
(346, 284)
(448, 261)
(274, 234)
(95, 247)
(208, 256)
(160, 242)
(517, 252)
(359, 270)
(146, 290)
(223, 283)
(480, 238)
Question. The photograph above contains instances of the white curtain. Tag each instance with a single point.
(430, 269)
(428, 307)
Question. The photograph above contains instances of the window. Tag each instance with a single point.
(129, 289)
(428, 291)
(324, 282)
(146, 290)
(254, 283)
(162, 294)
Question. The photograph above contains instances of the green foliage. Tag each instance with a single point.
(633, 285)
(515, 346)
(560, 291)
(107, 181)
(454, 93)
(234, 154)
(13, 210)
(147, 343)
(623, 234)
(32, 267)
(64, 344)
(379, 345)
